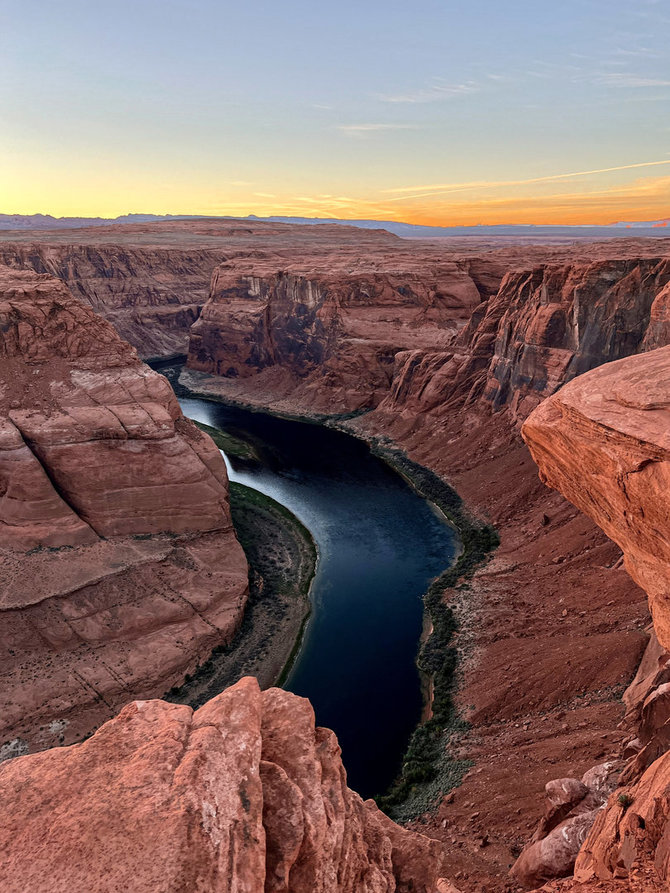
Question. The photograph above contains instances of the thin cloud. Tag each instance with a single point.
(443, 188)
(617, 79)
(362, 129)
(438, 91)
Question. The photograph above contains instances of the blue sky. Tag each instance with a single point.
(335, 109)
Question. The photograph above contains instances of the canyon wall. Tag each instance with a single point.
(415, 332)
(328, 332)
(544, 326)
(151, 279)
(604, 442)
(246, 793)
(119, 566)
(151, 295)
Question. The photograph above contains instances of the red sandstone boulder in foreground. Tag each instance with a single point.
(243, 795)
(119, 566)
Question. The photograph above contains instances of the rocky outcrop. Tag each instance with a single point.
(248, 796)
(571, 808)
(152, 295)
(603, 442)
(119, 566)
(151, 279)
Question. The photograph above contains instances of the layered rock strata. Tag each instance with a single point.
(543, 327)
(151, 280)
(329, 332)
(245, 794)
(119, 566)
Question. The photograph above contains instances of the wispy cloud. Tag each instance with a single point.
(636, 52)
(621, 79)
(437, 91)
(359, 130)
(444, 188)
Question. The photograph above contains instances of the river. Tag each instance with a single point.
(379, 544)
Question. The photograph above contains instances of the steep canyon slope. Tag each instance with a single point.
(119, 566)
(151, 280)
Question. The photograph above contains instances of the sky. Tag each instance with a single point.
(433, 111)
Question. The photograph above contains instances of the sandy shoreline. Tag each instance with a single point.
(282, 559)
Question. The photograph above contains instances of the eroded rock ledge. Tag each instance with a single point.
(603, 441)
(245, 794)
(119, 566)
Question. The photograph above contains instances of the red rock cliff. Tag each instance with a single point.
(119, 567)
(245, 794)
(328, 328)
(151, 280)
(603, 441)
(544, 326)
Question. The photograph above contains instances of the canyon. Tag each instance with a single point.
(444, 351)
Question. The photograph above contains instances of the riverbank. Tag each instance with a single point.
(282, 557)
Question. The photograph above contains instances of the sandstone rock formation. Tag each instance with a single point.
(151, 279)
(245, 794)
(571, 809)
(328, 327)
(119, 567)
(543, 327)
(603, 442)
(151, 294)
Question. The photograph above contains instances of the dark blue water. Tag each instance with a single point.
(379, 546)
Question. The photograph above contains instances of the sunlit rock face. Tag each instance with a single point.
(119, 566)
(244, 794)
(604, 441)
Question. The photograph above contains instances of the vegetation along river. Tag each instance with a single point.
(380, 544)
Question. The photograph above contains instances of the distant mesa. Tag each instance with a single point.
(405, 230)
